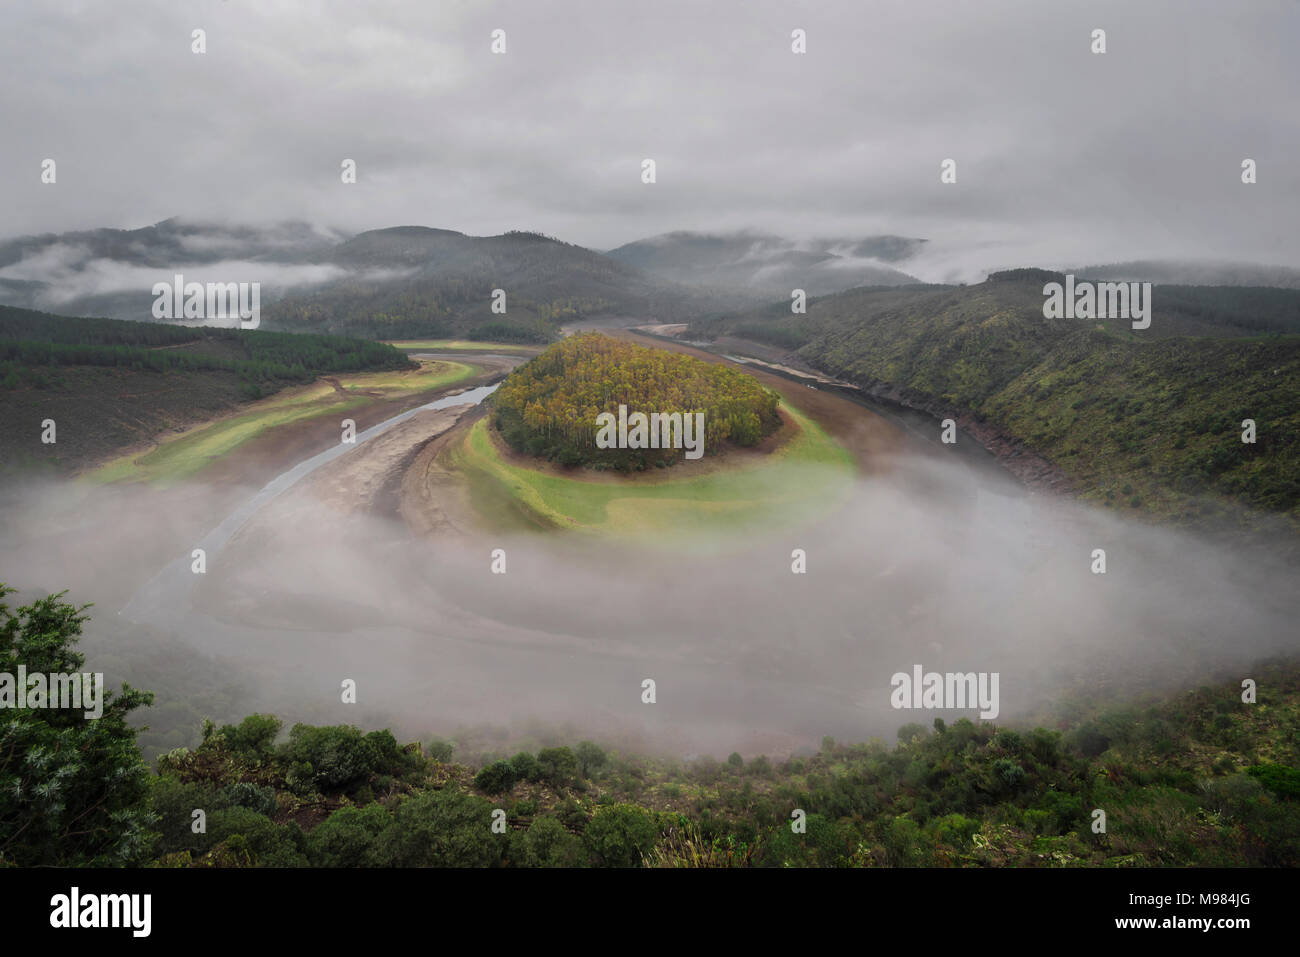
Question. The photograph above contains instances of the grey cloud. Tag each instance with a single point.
(67, 273)
(1063, 156)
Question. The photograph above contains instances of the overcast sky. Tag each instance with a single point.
(1063, 156)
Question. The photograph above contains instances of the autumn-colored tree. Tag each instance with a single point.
(550, 405)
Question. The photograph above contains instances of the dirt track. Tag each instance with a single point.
(430, 499)
(356, 482)
(261, 459)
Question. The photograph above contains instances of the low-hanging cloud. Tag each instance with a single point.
(926, 565)
(69, 273)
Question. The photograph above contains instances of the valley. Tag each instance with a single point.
(689, 435)
(771, 591)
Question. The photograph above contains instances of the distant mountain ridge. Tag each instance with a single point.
(770, 265)
(1195, 273)
(448, 280)
(109, 272)
(416, 281)
(401, 280)
(181, 241)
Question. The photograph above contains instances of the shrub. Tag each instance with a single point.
(824, 843)
(340, 756)
(1044, 745)
(344, 839)
(1230, 796)
(496, 778)
(1278, 778)
(440, 750)
(526, 767)
(301, 778)
(446, 828)
(269, 844)
(1012, 774)
(620, 835)
(252, 796)
(905, 844)
(254, 736)
(591, 758)
(955, 830)
(174, 802)
(558, 765)
(548, 844)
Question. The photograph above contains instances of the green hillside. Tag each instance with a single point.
(108, 383)
(1147, 420)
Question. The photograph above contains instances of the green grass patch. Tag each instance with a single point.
(796, 482)
(189, 453)
(460, 345)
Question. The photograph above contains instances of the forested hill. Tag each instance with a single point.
(34, 346)
(124, 382)
(401, 282)
(1197, 273)
(550, 405)
(1139, 419)
(440, 284)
